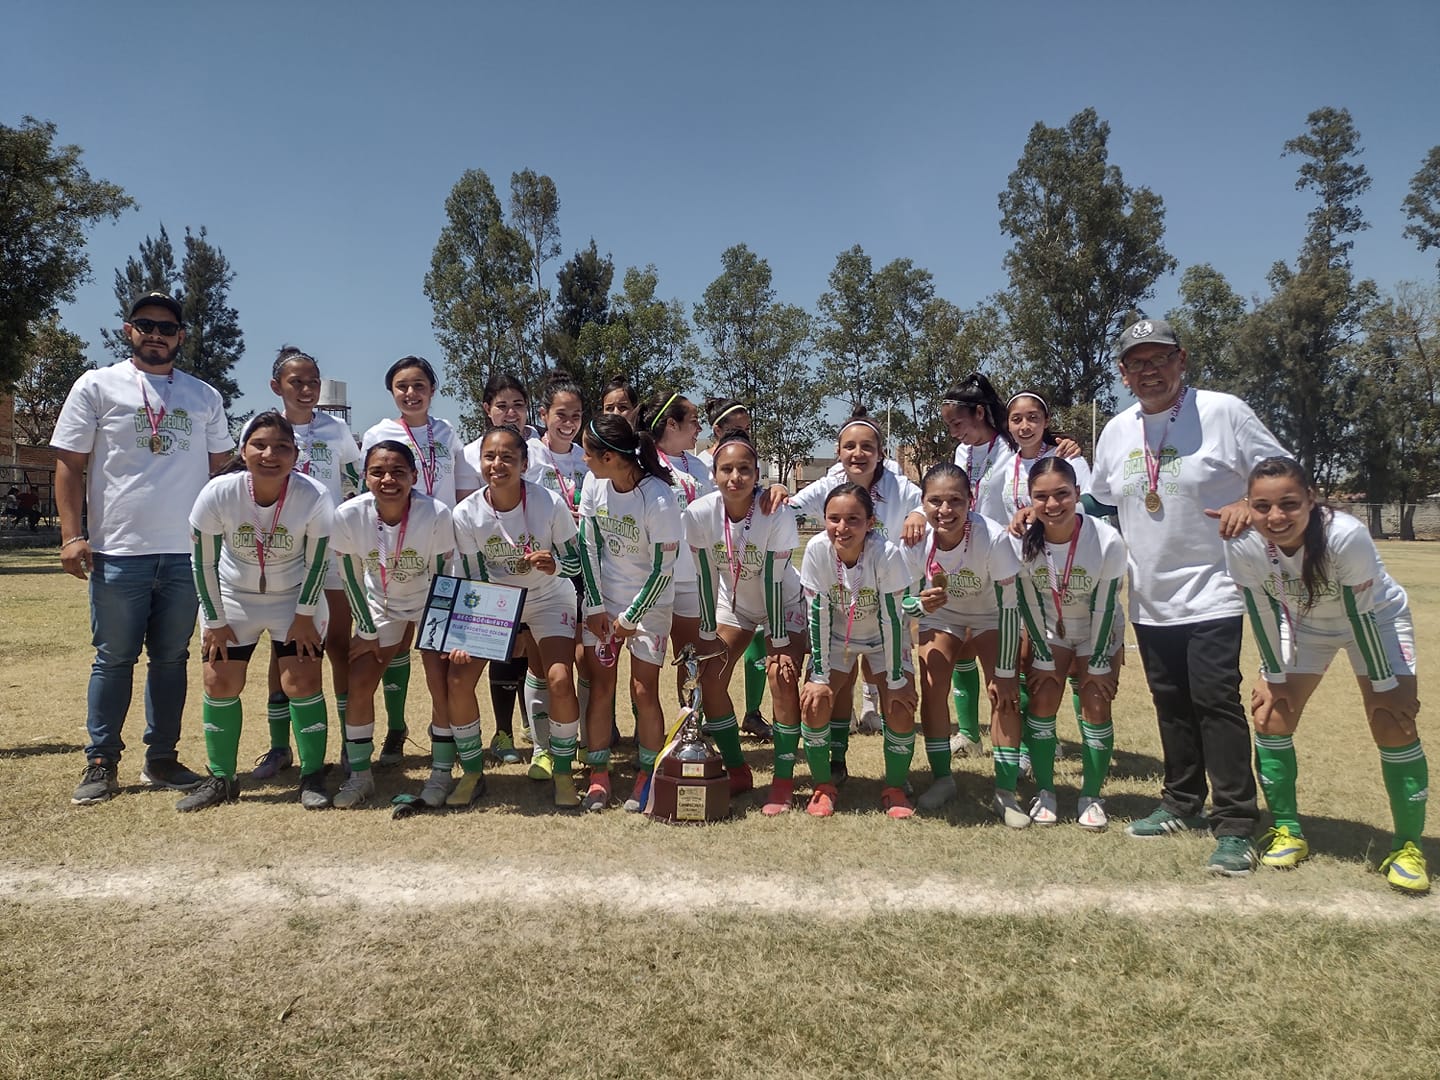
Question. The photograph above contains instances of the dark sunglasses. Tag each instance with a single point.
(150, 326)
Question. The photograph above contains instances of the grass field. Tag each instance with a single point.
(258, 940)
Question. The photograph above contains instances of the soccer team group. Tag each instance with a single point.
(1002, 562)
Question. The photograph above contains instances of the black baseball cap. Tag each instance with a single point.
(158, 299)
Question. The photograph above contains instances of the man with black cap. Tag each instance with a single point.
(148, 436)
(1176, 465)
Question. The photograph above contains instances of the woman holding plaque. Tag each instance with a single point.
(1071, 566)
(390, 542)
(445, 475)
(1314, 584)
(515, 532)
(631, 530)
(965, 600)
(748, 587)
(261, 533)
(855, 581)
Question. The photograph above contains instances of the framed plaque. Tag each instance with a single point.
(476, 616)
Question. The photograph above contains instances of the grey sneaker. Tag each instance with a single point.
(98, 783)
(1007, 806)
(939, 793)
(437, 789)
(1234, 857)
(355, 791)
(313, 795)
(169, 773)
(212, 791)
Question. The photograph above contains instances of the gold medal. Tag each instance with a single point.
(938, 580)
(1152, 501)
(156, 444)
(262, 581)
(1060, 628)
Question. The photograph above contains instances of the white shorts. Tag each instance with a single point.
(1077, 635)
(687, 599)
(648, 643)
(958, 625)
(872, 652)
(550, 616)
(1316, 646)
(795, 622)
(251, 614)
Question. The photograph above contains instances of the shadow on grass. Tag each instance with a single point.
(36, 568)
(39, 750)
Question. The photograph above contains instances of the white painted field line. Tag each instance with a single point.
(441, 885)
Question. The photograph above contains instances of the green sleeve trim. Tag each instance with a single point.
(205, 566)
(1269, 658)
(653, 588)
(1367, 636)
(355, 592)
(1101, 631)
(1007, 656)
(1038, 646)
(706, 575)
(317, 563)
(568, 560)
(590, 548)
(820, 638)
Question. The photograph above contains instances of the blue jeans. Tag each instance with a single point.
(139, 600)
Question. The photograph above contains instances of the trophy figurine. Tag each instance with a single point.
(690, 781)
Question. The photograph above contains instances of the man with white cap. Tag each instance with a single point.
(148, 436)
(1175, 465)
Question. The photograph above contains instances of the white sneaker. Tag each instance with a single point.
(355, 791)
(437, 789)
(1091, 813)
(869, 723)
(1042, 808)
(964, 746)
(1026, 771)
(1008, 807)
(937, 794)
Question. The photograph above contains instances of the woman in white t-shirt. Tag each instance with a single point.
(860, 453)
(261, 537)
(444, 475)
(748, 587)
(327, 452)
(389, 543)
(630, 535)
(505, 400)
(1070, 567)
(855, 583)
(1314, 584)
(515, 532)
(964, 596)
(673, 421)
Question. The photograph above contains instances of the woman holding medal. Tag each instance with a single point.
(855, 582)
(444, 474)
(389, 543)
(1171, 466)
(630, 535)
(261, 537)
(1071, 566)
(514, 532)
(965, 601)
(327, 453)
(748, 588)
(1314, 584)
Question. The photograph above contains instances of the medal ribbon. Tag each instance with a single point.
(524, 548)
(1060, 584)
(853, 592)
(737, 561)
(1277, 588)
(687, 484)
(932, 565)
(430, 460)
(263, 540)
(566, 493)
(1152, 458)
(152, 417)
(387, 559)
(984, 465)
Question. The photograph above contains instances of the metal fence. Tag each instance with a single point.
(1425, 517)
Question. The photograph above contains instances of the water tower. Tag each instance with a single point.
(334, 399)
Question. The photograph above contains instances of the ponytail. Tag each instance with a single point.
(609, 433)
(1316, 539)
(975, 392)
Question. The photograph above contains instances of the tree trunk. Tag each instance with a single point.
(1377, 527)
(1407, 521)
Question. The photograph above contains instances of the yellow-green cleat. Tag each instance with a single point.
(1283, 850)
(470, 788)
(1405, 870)
(542, 765)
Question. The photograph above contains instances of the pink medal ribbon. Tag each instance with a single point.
(264, 540)
(939, 577)
(687, 484)
(430, 458)
(152, 417)
(523, 544)
(854, 593)
(734, 558)
(1060, 584)
(984, 465)
(388, 559)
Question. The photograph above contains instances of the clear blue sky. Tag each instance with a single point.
(318, 141)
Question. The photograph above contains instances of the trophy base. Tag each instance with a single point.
(691, 801)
